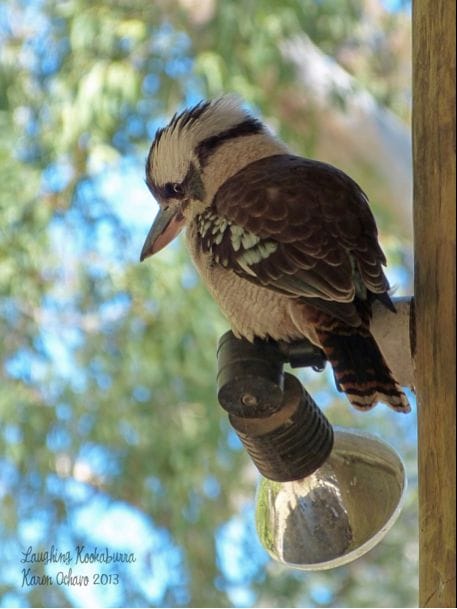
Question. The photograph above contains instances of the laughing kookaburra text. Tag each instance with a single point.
(287, 246)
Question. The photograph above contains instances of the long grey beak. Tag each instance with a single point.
(166, 226)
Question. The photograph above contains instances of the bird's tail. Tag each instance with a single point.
(360, 369)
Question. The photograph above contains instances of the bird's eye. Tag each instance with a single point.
(172, 189)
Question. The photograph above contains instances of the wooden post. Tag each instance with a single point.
(434, 226)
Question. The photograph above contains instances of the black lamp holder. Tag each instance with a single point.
(280, 425)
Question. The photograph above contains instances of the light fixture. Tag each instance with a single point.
(327, 496)
(339, 512)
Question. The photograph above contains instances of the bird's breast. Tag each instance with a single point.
(252, 310)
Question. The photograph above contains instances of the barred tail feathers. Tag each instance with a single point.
(361, 371)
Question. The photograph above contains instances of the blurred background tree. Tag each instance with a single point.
(111, 434)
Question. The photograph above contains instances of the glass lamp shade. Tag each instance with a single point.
(339, 512)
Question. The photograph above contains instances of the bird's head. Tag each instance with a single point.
(184, 164)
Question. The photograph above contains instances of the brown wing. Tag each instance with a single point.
(298, 226)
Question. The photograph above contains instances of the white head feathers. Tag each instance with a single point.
(176, 145)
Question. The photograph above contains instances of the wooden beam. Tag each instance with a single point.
(434, 227)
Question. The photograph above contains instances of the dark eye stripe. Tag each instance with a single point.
(173, 190)
(207, 147)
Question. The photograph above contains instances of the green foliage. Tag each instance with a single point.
(108, 367)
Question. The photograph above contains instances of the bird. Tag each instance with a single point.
(287, 246)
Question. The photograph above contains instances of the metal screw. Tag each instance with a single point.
(249, 400)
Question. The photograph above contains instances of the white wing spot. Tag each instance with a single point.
(246, 268)
(218, 238)
(249, 240)
(257, 253)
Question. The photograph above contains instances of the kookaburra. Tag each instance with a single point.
(287, 246)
